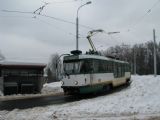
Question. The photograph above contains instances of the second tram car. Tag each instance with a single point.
(90, 73)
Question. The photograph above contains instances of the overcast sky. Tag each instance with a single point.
(24, 37)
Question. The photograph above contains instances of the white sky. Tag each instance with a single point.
(27, 39)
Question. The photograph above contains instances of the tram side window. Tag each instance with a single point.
(83, 67)
(105, 66)
(127, 68)
(119, 70)
(123, 67)
(96, 66)
(86, 66)
(115, 69)
(110, 67)
(102, 66)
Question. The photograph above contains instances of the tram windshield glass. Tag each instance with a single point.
(77, 67)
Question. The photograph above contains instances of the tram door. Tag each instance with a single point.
(88, 68)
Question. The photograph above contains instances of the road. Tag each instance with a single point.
(35, 102)
(49, 100)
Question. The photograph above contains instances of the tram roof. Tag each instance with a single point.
(85, 56)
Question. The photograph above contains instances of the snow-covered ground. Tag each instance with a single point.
(139, 101)
(1, 94)
(52, 88)
(47, 90)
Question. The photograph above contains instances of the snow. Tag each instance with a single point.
(54, 87)
(139, 101)
(48, 89)
(1, 93)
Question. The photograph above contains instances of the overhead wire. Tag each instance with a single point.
(148, 11)
(65, 31)
(47, 23)
(42, 21)
(24, 17)
(51, 17)
(66, 1)
(51, 25)
(26, 57)
(40, 9)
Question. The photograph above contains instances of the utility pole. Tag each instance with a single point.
(77, 24)
(135, 62)
(155, 56)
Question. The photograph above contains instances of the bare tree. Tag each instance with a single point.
(52, 68)
(140, 56)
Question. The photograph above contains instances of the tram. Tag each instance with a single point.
(92, 72)
(88, 73)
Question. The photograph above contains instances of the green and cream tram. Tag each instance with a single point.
(89, 73)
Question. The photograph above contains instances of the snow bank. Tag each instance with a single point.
(139, 101)
(1, 93)
(48, 89)
(54, 87)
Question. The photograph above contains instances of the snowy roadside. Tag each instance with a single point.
(47, 90)
(54, 87)
(1, 94)
(140, 101)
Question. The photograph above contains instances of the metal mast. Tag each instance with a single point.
(155, 57)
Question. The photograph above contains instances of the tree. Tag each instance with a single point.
(140, 54)
(52, 68)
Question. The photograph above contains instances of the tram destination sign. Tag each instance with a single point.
(74, 57)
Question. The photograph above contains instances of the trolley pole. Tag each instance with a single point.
(155, 57)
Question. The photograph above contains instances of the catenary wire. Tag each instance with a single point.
(51, 17)
(143, 16)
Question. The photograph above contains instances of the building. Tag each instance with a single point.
(21, 78)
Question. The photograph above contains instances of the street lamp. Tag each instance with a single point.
(77, 24)
(155, 57)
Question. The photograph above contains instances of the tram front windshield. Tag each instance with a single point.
(77, 67)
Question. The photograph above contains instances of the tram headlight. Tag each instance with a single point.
(76, 83)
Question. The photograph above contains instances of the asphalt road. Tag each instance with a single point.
(35, 102)
(50, 100)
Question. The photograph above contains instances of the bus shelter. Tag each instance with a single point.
(21, 78)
